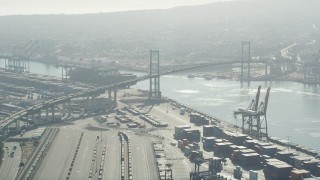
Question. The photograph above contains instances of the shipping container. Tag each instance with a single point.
(217, 132)
(198, 119)
(221, 149)
(195, 155)
(208, 143)
(215, 164)
(187, 151)
(268, 150)
(208, 130)
(250, 160)
(277, 170)
(253, 175)
(297, 161)
(284, 156)
(298, 174)
(311, 165)
(179, 133)
(193, 135)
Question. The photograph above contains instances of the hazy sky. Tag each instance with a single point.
(9, 7)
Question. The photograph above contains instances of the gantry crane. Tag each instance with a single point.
(19, 61)
(254, 118)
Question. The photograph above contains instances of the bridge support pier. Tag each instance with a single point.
(115, 91)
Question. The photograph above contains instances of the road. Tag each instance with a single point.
(10, 165)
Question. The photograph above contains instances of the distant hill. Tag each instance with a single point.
(192, 32)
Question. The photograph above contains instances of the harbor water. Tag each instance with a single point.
(293, 111)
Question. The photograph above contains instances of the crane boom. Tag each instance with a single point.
(257, 99)
(266, 101)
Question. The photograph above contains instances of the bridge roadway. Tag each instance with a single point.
(50, 103)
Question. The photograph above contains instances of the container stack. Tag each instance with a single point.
(269, 150)
(193, 135)
(208, 131)
(195, 155)
(284, 156)
(312, 166)
(217, 132)
(277, 170)
(235, 138)
(253, 175)
(183, 143)
(221, 149)
(208, 143)
(198, 119)
(298, 174)
(246, 158)
(179, 133)
(215, 164)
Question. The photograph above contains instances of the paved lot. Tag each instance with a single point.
(58, 158)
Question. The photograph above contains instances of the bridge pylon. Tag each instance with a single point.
(154, 90)
(245, 62)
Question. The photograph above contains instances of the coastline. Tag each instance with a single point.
(228, 126)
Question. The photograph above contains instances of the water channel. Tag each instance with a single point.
(293, 111)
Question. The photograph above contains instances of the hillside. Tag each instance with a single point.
(183, 33)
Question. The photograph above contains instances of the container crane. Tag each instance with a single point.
(254, 118)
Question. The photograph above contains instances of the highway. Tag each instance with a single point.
(10, 165)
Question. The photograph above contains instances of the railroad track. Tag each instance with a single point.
(126, 158)
(29, 170)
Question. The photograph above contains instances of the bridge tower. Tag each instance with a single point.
(245, 59)
(154, 91)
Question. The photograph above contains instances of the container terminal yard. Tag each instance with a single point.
(128, 133)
